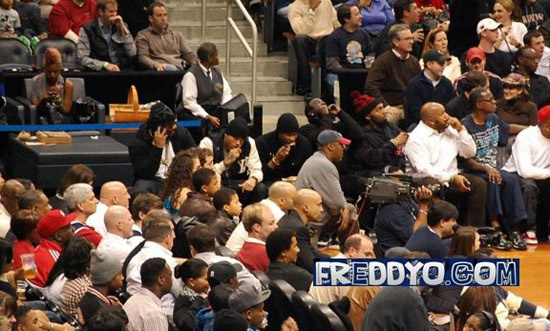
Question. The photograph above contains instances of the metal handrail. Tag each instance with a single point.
(252, 52)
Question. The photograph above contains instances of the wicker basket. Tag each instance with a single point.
(129, 112)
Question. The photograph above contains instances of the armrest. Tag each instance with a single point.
(15, 112)
(30, 110)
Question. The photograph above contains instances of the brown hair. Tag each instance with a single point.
(474, 299)
(430, 40)
(102, 4)
(463, 241)
(252, 214)
(79, 173)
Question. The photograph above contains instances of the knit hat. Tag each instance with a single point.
(223, 271)
(237, 128)
(52, 222)
(287, 123)
(51, 57)
(543, 114)
(364, 104)
(104, 267)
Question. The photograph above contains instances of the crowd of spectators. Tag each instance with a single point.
(462, 104)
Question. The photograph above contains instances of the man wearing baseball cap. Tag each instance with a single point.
(498, 61)
(475, 62)
(237, 161)
(249, 301)
(531, 160)
(429, 85)
(321, 175)
(55, 230)
(224, 272)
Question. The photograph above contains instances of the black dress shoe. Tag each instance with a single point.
(517, 241)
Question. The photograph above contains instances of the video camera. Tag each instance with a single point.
(396, 188)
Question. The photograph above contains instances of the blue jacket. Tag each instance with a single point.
(421, 90)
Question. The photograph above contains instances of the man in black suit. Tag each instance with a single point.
(308, 207)
(154, 147)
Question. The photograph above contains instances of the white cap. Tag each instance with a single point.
(487, 24)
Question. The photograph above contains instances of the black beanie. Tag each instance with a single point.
(237, 128)
(287, 123)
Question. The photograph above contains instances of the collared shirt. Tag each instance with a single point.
(434, 82)
(150, 250)
(277, 212)
(73, 291)
(83, 49)
(97, 219)
(136, 238)
(190, 92)
(144, 312)
(399, 56)
(433, 154)
(530, 157)
(244, 275)
(115, 246)
(5, 219)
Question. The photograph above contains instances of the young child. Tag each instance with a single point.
(228, 207)
(10, 25)
(199, 202)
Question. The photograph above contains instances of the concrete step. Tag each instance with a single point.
(266, 66)
(237, 49)
(265, 85)
(193, 13)
(279, 104)
(214, 29)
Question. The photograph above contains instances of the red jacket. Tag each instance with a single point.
(87, 232)
(20, 247)
(66, 15)
(45, 255)
(253, 256)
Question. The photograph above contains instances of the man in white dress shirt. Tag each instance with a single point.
(118, 221)
(205, 89)
(158, 232)
(432, 149)
(279, 201)
(111, 194)
(535, 40)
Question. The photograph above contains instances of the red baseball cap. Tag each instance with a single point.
(475, 53)
(543, 115)
(53, 221)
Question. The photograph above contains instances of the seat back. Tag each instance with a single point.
(66, 47)
(27, 88)
(302, 303)
(224, 251)
(262, 277)
(14, 55)
(178, 104)
(341, 308)
(279, 304)
(327, 319)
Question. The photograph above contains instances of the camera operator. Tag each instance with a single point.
(396, 222)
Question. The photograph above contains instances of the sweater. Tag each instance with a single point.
(321, 175)
(376, 17)
(516, 112)
(66, 15)
(424, 240)
(530, 157)
(421, 90)
(533, 16)
(313, 23)
(254, 256)
(389, 76)
(167, 47)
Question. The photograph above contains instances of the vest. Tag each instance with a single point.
(99, 49)
(238, 169)
(209, 91)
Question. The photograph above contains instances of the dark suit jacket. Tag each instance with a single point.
(297, 277)
(292, 221)
(146, 157)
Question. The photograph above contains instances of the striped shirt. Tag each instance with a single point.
(144, 312)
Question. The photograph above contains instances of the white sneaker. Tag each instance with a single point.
(530, 238)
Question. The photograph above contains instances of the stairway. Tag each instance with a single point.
(273, 89)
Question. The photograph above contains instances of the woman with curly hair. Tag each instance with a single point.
(76, 267)
(178, 181)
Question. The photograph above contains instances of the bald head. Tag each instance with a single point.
(309, 205)
(282, 193)
(11, 192)
(118, 221)
(358, 246)
(429, 110)
(114, 193)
